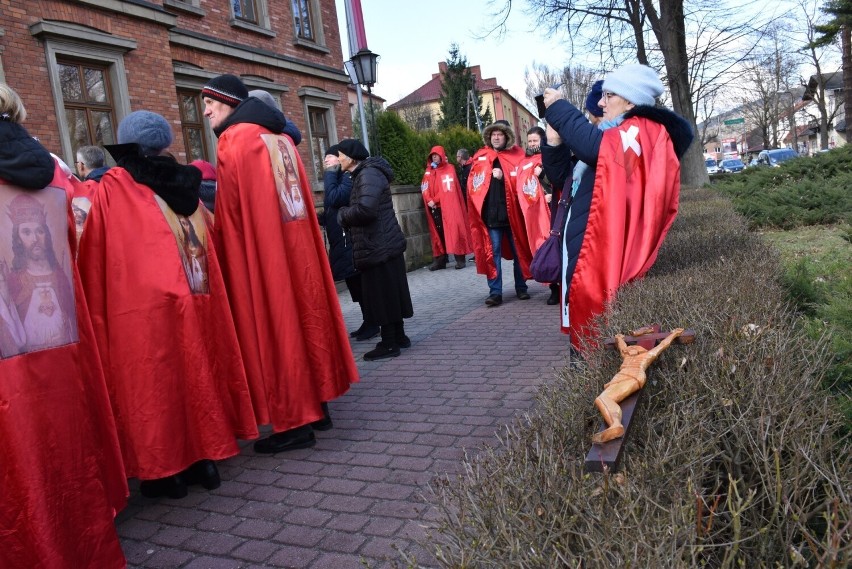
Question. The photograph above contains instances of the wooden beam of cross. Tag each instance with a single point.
(606, 456)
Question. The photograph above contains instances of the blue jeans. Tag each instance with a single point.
(495, 285)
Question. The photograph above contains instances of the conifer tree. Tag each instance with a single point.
(456, 81)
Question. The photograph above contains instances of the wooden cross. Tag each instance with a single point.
(607, 456)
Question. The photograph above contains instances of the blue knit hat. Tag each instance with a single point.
(594, 98)
(639, 84)
(149, 130)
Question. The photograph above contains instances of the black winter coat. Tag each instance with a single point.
(370, 217)
(24, 161)
(338, 191)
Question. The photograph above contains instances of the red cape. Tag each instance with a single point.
(478, 182)
(61, 475)
(635, 201)
(291, 330)
(531, 198)
(441, 185)
(178, 389)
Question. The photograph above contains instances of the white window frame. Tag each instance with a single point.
(263, 26)
(314, 97)
(318, 43)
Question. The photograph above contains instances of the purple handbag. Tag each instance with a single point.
(546, 266)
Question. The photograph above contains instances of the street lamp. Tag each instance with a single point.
(365, 62)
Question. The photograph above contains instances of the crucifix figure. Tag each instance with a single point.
(629, 379)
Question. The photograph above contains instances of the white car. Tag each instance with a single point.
(712, 165)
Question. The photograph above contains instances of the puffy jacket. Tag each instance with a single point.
(370, 217)
(338, 192)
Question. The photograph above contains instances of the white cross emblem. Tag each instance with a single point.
(628, 140)
(448, 182)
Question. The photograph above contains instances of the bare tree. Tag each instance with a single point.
(417, 115)
(576, 81)
(654, 33)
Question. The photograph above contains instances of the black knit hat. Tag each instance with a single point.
(332, 150)
(353, 149)
(228, 89)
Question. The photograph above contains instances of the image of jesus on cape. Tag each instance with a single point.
(287, 181)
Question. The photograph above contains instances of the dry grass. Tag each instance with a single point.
(735, 458)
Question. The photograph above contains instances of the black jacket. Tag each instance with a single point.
(370, 217)
(24, 161)
(338, 191)
(581, 141)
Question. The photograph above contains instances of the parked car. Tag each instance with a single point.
(731, 165)
(712, 166)
(775, 157)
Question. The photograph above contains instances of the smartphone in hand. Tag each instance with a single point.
(539, 101)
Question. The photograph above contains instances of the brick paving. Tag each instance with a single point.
(358, 497)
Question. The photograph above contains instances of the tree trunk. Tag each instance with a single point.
(670, 31)
(846, 58)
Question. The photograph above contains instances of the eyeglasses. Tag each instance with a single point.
(607, 94)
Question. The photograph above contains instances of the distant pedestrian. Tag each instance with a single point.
(446, 214)
(207, 192)
(464, 162)
(496, 222)
(378, 244)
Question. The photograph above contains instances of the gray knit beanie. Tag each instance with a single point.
(639, 84)
(149, 130)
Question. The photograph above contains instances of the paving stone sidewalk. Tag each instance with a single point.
(359, 495)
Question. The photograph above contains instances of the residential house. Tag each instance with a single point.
(422, 108)
(80, 66)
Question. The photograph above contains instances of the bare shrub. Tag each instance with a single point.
(734, 459)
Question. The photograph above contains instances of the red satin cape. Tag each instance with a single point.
(61, 474)
(534, 206)
(441, 185)
(289, 324)
(634, 204)
(478, 182)
(171, 357)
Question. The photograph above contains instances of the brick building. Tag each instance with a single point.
(80, 66)
(421, 109)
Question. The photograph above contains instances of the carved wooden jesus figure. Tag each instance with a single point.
(629, 379)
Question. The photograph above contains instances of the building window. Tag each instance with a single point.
(303, 19)
(89, 113)
(423, 122)
(245, 10)
(318, 120)
(192, 126)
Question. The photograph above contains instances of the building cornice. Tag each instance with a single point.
(135, 8)
(76, 32)
(202, 42)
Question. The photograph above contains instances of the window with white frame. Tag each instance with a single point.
(319, 112)
(252, 15)
(307, 20)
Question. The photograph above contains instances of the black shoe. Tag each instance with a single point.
(439, 263)
(403, 342)
(355, 333)
(523, 295)
(300, 437)
(460, 261)
(203, 472)
(494, 300)
(325, 423)
(368, 332)
(553, 298)
(381, 352)
(172, 486)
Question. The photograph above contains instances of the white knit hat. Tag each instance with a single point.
(639, 84)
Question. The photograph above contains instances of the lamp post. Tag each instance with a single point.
(364, 62)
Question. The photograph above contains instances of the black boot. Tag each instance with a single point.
(172, 486)
(387, 348)
(367, 331)
(460, 261)
(439, 262)
(300, 437)
(402, 340)
(203, 472)
(554, 294)
(325, 423)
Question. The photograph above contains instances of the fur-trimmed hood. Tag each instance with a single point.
(679, 130)
(177, 184)
(503, 126)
